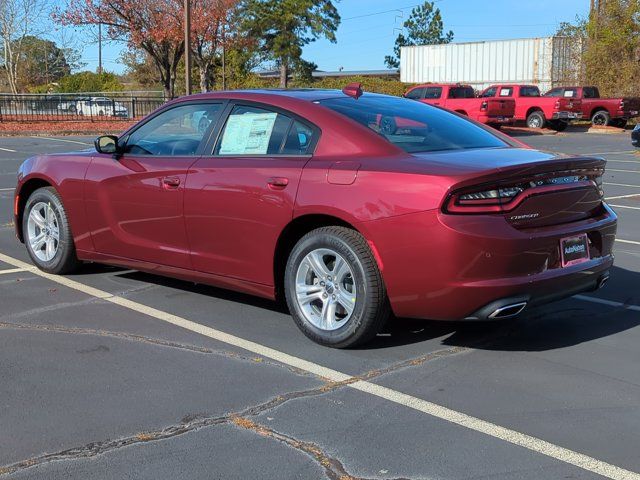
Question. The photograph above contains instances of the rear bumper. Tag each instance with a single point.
(449, 267)
(495, 119)
(564, 115)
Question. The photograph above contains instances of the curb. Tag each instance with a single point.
(58, 133)
(606, 130)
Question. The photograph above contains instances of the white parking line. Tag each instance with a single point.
(7, 150)
(632, 242)
(609, 160)
(623, 196)
(7, 189)
(12, 270)
(580, 460)
(624, 171)
(61, 140)
(610, 303)
(621, 185)
(612, 153)
(624, 206)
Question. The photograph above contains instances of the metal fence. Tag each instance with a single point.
(81, 107)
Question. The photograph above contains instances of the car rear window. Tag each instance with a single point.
(414, 126)
(461, 92)
(529, 92)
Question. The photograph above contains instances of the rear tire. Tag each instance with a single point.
(334, 289)
(619, 122)
(558, 125)
(601, 118)
(47, 234)
(536, 120)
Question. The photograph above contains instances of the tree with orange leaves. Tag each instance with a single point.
(154, 26)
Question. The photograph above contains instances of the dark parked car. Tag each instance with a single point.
(635, 136)
(349, 205)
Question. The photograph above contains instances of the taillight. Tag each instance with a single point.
(557, 105)
(484, 106)
(503, 198)
(621, 104)
(498, 196)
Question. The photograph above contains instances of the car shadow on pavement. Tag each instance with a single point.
(207, 290)
(557, 325)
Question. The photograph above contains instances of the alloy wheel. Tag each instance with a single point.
(325, 289)
(43, 231)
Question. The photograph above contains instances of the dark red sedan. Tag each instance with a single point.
(351, 206)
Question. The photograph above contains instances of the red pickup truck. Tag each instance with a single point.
(462, 99)
(601, 111)
(536, 110)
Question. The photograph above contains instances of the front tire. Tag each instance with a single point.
(334, 289)
(47, 234)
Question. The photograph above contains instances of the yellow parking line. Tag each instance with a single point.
(513, 437)
(12, 270)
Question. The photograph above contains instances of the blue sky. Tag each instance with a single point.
(369, 28)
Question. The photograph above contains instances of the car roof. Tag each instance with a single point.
(308, 94)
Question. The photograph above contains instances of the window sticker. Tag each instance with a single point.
(569, 93)
(247, 134)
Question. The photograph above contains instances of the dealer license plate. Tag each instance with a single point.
(574, 250)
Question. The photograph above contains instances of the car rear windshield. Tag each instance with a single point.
(414, 126)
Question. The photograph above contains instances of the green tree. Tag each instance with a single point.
(285, 26)
(89, 82)
(612, 56)
(423, 27)
(43, 62)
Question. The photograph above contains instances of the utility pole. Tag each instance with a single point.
(187, 46)
(99, 49)
(224, 66)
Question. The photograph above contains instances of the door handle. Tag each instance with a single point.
(278, 183)
(171, 182)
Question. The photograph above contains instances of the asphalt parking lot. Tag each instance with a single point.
(114, 374)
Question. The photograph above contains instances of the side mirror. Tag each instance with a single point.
(107, 144)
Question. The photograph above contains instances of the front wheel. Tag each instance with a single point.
(334, 289)
(47, 234)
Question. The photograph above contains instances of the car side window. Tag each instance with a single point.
(178, 131)
(490, 92)
(299, 140)
(433, 92)
(257, 131)
(556, 92)
(589, 92)
(416, 93)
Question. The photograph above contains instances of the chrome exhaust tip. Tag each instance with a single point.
(603, 279)
(508, 311)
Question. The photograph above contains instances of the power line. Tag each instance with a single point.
(382, 12)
